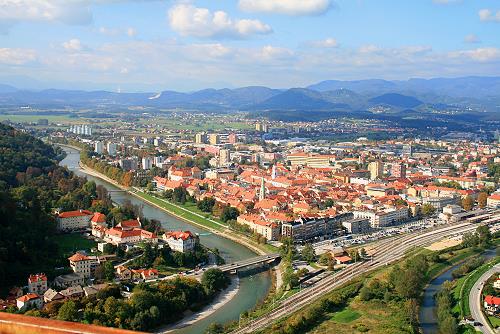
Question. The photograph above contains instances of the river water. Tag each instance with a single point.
(252, 288)
(427, 315)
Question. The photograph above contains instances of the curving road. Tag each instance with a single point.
(475, 302)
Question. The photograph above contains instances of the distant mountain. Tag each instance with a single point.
(298, 99)
(419, 95)
(469, 87)
(396, 100)
(7, 89)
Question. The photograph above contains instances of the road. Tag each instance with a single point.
(385, 252)
(475, 303)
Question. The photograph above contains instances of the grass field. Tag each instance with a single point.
(346, 316)
(180, 212)
(494, 321)
(70, 243)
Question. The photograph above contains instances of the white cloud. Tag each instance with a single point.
(446, 2)
(472, 38)
(274, 52)
(479, 54)
(16, 56)
(325, 43)
(72, 12)
(73, 44)
(287, 7)
(131, 32)
(487, 15)
(189, 20)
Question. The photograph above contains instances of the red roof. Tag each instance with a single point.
(78, 257)
(179, 235)
(77, 213)
(490, 300)
(27, 297)
(37, 278)
(343, 258)
(98, 218)
(495, 197)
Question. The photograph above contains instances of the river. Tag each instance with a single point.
(252, 288)
(427, 315)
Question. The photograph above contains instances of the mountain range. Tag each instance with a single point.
(382, 96)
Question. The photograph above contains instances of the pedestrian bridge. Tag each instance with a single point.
(233, 268)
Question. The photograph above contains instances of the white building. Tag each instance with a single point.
(82, 264)
(37, 284)
(98, 147)
(111, 148)
(30, 300)
(224, 157)
(147, 163)
(383, 218)
(74, 220)
(180, 241)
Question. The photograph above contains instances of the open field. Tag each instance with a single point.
(70, 243)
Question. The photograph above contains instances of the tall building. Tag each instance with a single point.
(111, 148)
(214, 139)
(398, 170)
(147, 163)
(376, 169)
(232, 138)
(407, 150)
(224, 157)
(200, 138)
(37, 284)
(98, 147)
(262, 192)
(261, 127)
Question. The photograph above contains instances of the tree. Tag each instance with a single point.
(428, 209)
(206, 204)
(482, 198)
(179, 195)
(214, 280)
(109, 249)
(68, 311)
(308, 253)
(214, 328)
(467, 203)
(109, 271)
(229, 213)
(362, 252)
(484, 235)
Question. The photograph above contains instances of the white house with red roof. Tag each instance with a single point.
(493, 200)
(83, 264)
(37, 284)
(74, 220)
(28, 301)
(129, 232)
(181, 241)
(492, 304)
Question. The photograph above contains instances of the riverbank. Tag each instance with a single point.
(225, 233)
(222, 299)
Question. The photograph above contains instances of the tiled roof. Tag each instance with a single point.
(77, 213)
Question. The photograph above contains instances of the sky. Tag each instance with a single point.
(154, 45)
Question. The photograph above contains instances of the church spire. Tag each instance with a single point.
(262, 193)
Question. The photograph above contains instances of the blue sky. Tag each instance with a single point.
(149, 45)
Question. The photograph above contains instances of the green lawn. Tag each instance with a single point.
(346, 316)
(70, 243)
(179, 212)
(494, 321)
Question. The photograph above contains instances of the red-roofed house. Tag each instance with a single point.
(492, 304)
(82, 264)
(344, 259)
(74, 220)
(181, 241)
(29, 300)
(37, 284)
(493, 201)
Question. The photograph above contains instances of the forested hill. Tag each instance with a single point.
(31, 186)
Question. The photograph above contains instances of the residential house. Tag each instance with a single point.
(29, 301)
(74, 220)
(37, 284)
(492, 304)
(181, 241)
(52, 295)
(65, 281)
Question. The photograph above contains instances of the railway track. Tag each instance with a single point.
(384, 253)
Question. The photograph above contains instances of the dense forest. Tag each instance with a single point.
(32, 186)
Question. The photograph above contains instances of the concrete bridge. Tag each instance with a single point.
(233, 268)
